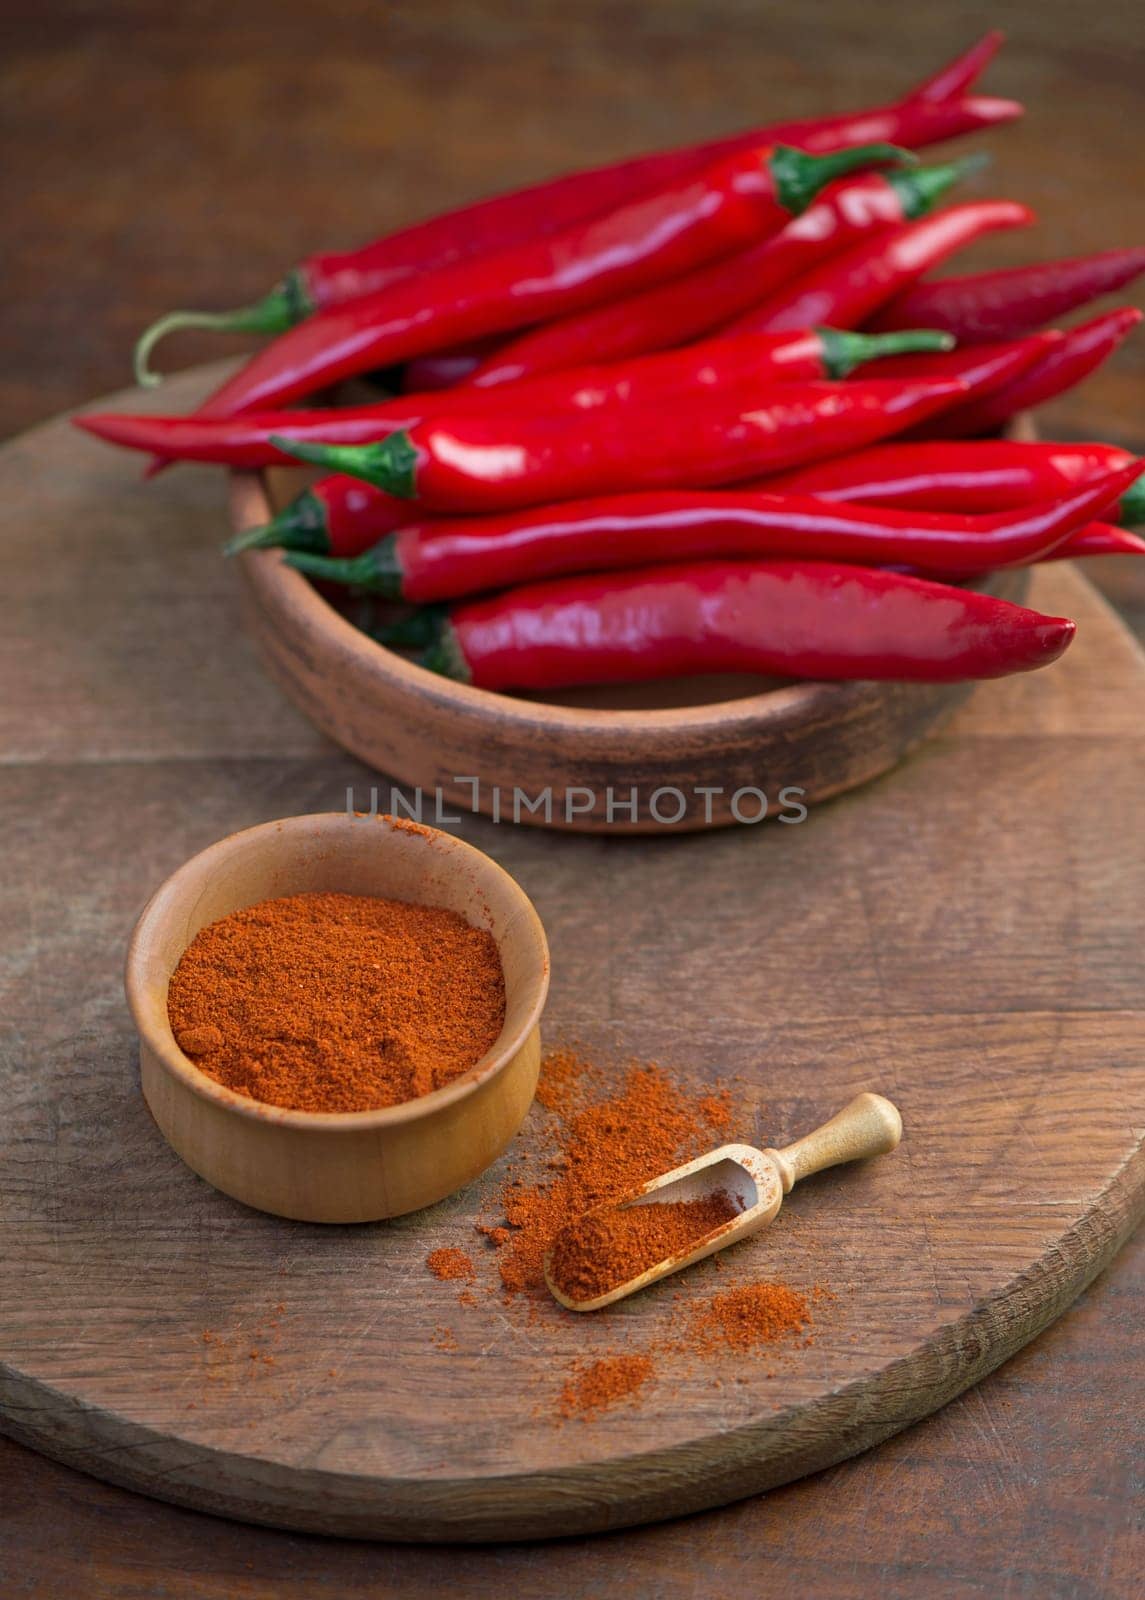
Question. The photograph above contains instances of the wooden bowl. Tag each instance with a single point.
(588, 751)
(339, 1166)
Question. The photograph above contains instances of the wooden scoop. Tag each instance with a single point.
(756, 1179)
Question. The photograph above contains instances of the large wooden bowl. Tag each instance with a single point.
(586, 751)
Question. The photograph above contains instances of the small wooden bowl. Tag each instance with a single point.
(684, 736)
(344, 1166)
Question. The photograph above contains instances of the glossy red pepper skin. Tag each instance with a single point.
(446, 560)
(491, 463)
(848, 288)
(244, 441)
(724, 208)
(1099, 539)
(929, 114)
(797, 619)
(984, 368)
(1002, 305)
(974, 476)
(665, 377)
(687, 308)
(1079, 351)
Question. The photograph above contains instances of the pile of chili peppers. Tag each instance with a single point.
(632, 430)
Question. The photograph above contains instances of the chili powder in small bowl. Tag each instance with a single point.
(337, 1002)
(338, 1015)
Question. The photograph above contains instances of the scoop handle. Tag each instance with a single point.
(868, 1126)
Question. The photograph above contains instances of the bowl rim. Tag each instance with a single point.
(162, 1043)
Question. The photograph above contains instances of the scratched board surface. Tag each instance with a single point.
(963, 935)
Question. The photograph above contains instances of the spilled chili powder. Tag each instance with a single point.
(599, 1252)
(604, 1148)
(594, 1386)
(600, 1140)
(748, 1316)
(449, 1262)
(337, 1002)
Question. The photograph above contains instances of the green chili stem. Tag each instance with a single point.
(285, 305)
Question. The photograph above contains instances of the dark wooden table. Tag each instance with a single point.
(157, 155)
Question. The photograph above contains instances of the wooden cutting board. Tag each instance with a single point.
(963, 935)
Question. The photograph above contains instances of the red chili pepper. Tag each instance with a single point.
(1073, 358)
(1001, 305)
(445, 560)
(933, 112)
(664, 377)
(342, 516)
(244, 441)
(688, 307)
(726, 207)
(972, 476)
(984, 368)
(960, 73)
(1095, 539)
(848, 288)
(340, 525)
(491, 463)
(1099, 539)
(797, 619)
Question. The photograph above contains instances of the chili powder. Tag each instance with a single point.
(605, 1148)
(594, 1386)
(599, 1252)
(337, 1002)
(747, 1316)
(450, 1263)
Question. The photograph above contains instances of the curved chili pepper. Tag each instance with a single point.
(490, 463)
(984, 368)
(727, 206)
(960, 73)
(933, 112)
(244, 441)
(1001, 305)
(849, 287)
(446, 560)
(972, 476)
(663, 377)
(1073, 358)
(687, 307)
(798, 619)
(1095, 539)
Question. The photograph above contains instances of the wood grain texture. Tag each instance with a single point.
(383, 113)
(1002, 1492)
(988, 978)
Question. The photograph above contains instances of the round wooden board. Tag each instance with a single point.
(963, 934)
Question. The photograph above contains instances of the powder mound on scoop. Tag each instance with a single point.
(600, 1251)
(337, 1002)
